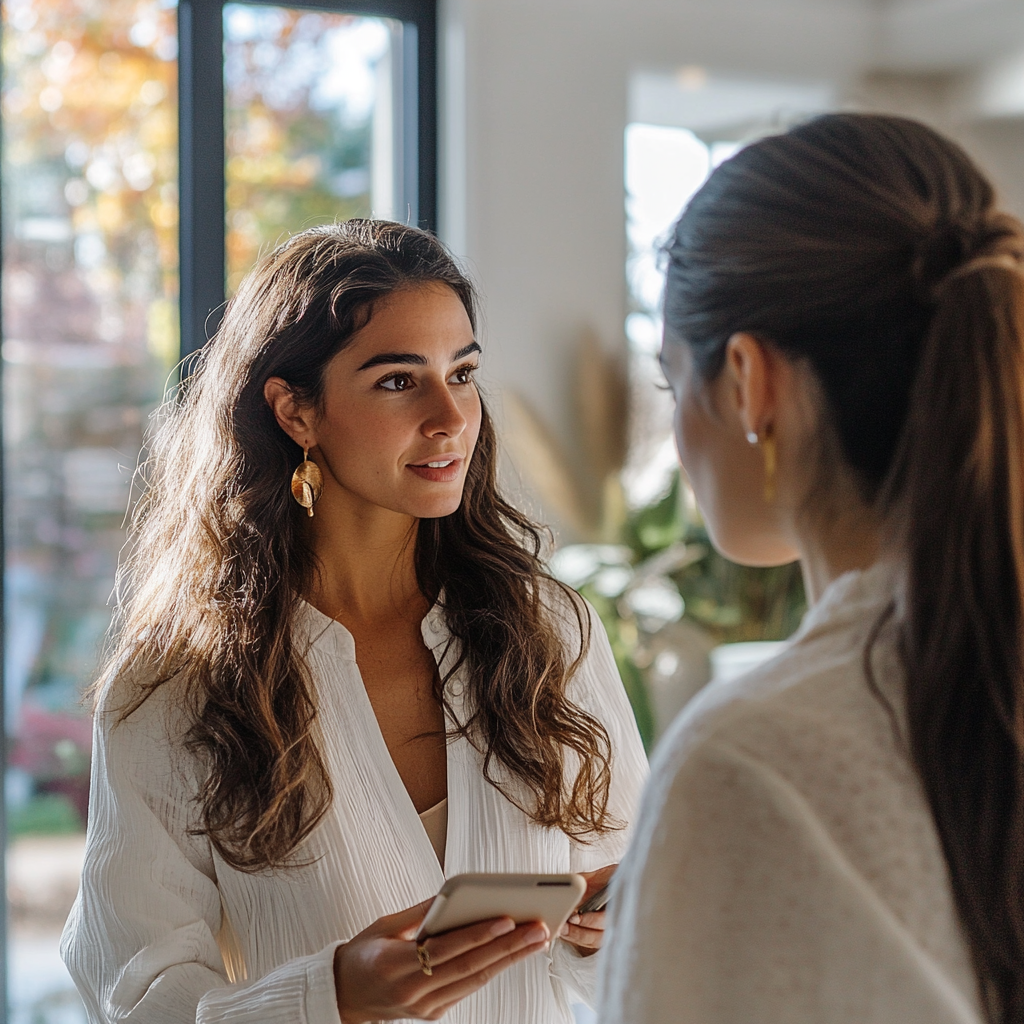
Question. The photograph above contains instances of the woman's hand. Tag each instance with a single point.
(586, 931)
(378, 976)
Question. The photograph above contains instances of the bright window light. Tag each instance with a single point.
(664, 168)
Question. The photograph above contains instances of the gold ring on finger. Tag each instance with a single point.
(423, 955)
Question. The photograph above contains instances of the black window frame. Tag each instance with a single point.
(201, 139)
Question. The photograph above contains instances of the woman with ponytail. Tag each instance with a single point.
(341, 673)
(838, 837)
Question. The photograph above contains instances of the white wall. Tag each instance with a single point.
(534, 108)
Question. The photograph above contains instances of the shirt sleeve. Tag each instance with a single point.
(736, 905)
(598, 689)
(141, 941)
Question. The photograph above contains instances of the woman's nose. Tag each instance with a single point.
(445, 418)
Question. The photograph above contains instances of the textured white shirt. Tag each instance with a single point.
(164, 932)
(785, 867)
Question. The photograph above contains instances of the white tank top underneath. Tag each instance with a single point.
(435, 824)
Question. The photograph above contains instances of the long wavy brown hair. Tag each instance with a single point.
(872, 249)
(218, 566)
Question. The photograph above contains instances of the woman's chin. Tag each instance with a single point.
(434, 507)
(748, 549)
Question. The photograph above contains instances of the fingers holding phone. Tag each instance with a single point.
(384, 974)
(584, 931)
(461, 963)
(585, 927)
(597, 884)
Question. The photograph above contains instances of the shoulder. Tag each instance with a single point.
(133, 694)
(582, 633)
(596, 685)
(146, 779)
(569, 612)
(142, 727)
(579, 626)
(805, 729)
(798, 704)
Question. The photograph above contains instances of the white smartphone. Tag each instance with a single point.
(466, 899)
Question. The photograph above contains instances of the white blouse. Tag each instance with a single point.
(164, 932)
(786, 868)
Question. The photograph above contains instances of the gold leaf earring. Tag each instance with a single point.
(767, 443)
(307, 483)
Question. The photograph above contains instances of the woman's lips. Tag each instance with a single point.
(439, 471)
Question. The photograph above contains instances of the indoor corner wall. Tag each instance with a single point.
(532, 198)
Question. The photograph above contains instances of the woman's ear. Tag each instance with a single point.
(750, 366)
(294, 419)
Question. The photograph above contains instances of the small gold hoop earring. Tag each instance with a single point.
(307, 483)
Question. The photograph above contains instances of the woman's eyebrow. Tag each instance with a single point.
(468, 350)
(409, 358)
(412, 358)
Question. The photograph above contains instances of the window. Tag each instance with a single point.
(288, 117)
(292, 116)
(309, 128)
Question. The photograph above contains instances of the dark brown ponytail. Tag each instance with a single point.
(958, 500)
(871, 248)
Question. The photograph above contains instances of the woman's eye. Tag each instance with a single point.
(400, 382)
(464, 375)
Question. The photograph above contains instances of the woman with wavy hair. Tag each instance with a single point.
(838, 837)
(341, 673)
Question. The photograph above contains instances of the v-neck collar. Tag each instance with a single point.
(332, 638)
(328, 633)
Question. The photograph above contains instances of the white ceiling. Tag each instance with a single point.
(714, 102)
(945, 35)
(794, 56)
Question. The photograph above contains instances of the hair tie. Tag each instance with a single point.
(1002, 261)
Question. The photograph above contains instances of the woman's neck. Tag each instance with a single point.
(367, 563)
(837, 544)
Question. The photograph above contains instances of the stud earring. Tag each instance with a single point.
(307, 483)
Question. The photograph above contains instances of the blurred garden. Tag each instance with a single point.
(90, 336)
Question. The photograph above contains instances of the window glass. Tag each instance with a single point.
(311, 122)
(664, 167)
(90, 335)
